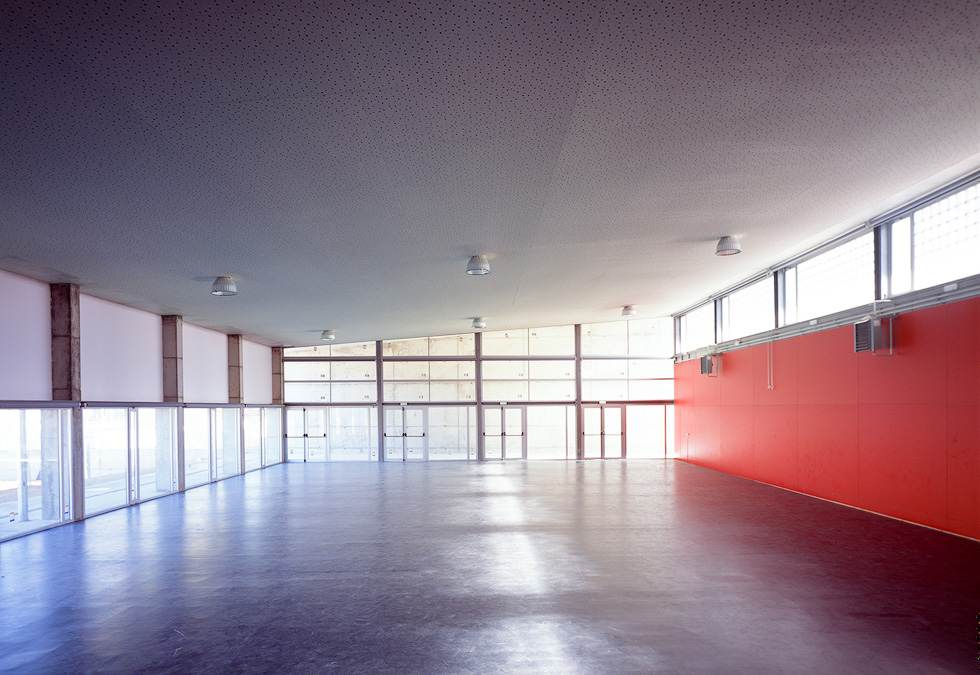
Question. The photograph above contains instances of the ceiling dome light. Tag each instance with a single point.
(728, 245)
(629, 310)
(224, 286)
(328, 336)
(478, 264)
(479, 323)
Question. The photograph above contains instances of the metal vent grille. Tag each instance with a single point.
(862, 336)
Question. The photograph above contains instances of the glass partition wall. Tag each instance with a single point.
(497, 395)
(35, 469)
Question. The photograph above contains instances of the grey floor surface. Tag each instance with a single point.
(525, 567)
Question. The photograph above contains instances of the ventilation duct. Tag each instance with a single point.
(874, 335)
(709, 365)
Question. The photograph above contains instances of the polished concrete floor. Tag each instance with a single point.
(547, 567)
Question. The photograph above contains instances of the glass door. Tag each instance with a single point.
(306, 434)
(404, 434)
(505, 432)
(604, 432)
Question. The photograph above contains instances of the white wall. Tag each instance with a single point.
(122, 352)
(257, 373)
(25, 339)
(205, 365)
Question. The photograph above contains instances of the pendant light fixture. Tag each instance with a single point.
(629, 310)
(478, 264)
(328, 336)
(479, 323)
(728, 245)
(224, 286)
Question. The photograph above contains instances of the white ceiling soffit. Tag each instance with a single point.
(342, 161)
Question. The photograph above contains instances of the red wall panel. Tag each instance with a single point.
(963, 345)
(828, 451)
(899, 435)
(775, 458)
(963, 469)
(828, 371)
(916, 373)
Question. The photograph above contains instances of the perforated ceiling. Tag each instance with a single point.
(343, 160)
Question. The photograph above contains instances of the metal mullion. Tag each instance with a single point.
(132, 462)
(529, 358)
(213, 449)
(380, 394)
(481, 445)
(298, 359)
(579, 410)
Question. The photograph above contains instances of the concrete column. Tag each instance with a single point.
(579, 410)
(277, 378)
(173, 359)
(380, 383)
(66, 379)
(235, 383)
(481, 441)
(66, 357)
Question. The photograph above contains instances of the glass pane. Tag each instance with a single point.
(651, 337)
(396, 392)
(272, 452)
(552, 341)
(550, 432)
(306, 370)
(34, 452)
(551, 370)
(452, 391)
(253, 438)
(394, 442)
(355, 349)
(228, 423)
(306, 392)
(514, 436)
(363, 371)
(414, 347)
(505, 370)
(605, 339)
(551, 390)
(613, 432)
(157, 449)
(838, 279)
(605, 390)
(453, 345)
(652, 368)
(651, 390)
(314, 350)
(698, 328)
(316, 435)
(452, 433)
(505, 391)
(353, 434)
(606, 369)
(353, 392)
(492, 431)
(593, 432)
(106, 432)
(406, 370)
(295, 422)
(197, 446)
(295, 449)
(414, 433)
(645, 431)
(505, 343)
(669, 434)
(946, 239)
(749, 310)
(901, 236)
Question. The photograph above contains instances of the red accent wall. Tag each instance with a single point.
(898, 435)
